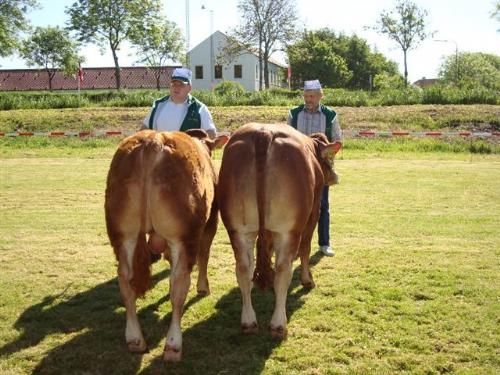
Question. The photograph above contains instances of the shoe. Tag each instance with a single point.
(327, 250)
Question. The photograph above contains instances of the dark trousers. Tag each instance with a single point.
(324, 219)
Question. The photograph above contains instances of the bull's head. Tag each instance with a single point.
(325, 152)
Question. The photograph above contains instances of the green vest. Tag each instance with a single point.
(192, 119)
(329, 114)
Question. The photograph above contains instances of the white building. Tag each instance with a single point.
(209, 70)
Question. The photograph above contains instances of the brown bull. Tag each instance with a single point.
(269, 189)
(161, 185)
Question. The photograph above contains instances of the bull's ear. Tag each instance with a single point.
(217, 142)
(331, 149)
(221, 140)
(197, 133)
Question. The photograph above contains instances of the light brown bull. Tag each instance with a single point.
(161, 185)
(269, 189)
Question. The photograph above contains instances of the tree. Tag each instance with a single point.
(476, 70)
(496, 13)
(406, 25)
(13, 21)
(52, 49)
(267, 26)
(110, 22)
(314, 58)
(337, 60)
(158, 42)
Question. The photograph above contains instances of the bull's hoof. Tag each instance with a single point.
(171, 354)
(250, 329)
(203, 292)
(278, 333)
(308, 284)
(137, 346)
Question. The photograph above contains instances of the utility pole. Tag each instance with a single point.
(188, 32)
(212, 72)
(457, 75)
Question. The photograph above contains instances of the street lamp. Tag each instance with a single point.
(203, 7)
(456, 54)
(188, 32)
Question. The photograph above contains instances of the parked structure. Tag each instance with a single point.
(425, 82)
(209, 68)
(93, 78)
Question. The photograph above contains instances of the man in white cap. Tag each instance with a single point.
(309, 118)
(180, 110)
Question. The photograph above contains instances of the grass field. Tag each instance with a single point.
(414, 117)
(414, 286)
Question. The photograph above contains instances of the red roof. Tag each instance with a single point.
(94, 78)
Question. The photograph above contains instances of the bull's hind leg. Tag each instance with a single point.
(243, 251)
(202, 285)
(133, 335)
(286, 246)
(180, 279)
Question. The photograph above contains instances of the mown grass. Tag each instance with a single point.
(414, 286)
(92, 147)
(415, 117)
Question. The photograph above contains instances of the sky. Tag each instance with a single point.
(464, 25)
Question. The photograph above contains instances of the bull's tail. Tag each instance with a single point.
(141, 279)
(263, 275)
(141, 268)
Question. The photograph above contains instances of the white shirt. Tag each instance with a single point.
(169, 116)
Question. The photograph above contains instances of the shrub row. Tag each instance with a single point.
(231, 95)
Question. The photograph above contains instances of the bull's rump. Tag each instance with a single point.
(160, 182)
(286, 173)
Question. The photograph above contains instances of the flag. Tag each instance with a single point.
(289, 77)
(80, 74)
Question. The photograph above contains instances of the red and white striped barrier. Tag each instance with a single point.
(347, 134)
(415, 134)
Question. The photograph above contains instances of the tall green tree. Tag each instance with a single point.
(337, 60)
(52, 49)
(476, 70)
(267, 26)
(406, 25)
(158, 41)
(110, 22)
(314, 58)
(13, 21)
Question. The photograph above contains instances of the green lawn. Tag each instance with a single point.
(414, 286)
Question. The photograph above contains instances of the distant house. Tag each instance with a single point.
(425, 82)
(208, 70)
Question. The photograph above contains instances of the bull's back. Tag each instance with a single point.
(271, 158)
(161, 182)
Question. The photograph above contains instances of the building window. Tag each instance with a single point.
(238, 71)
(218, 71)
(198, 72)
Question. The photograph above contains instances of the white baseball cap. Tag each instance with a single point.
(182, 74)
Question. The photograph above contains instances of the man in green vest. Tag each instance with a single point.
(180, 110)
(309, 118)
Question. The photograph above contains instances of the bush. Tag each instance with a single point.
(229, 88)
(230, 93)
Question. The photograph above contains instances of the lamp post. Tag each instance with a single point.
(457, 76)
(188, 32)
(212, 73)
